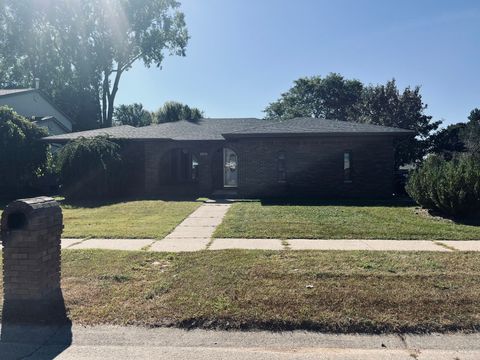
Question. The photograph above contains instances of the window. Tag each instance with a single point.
(183, 166)
(281, 168)
(347, 166)
(195, 165)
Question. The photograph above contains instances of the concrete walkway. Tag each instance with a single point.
(110, 342)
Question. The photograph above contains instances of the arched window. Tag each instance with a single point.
(281, 168)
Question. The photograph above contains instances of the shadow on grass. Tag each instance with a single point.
(94, 203)
(304, 201)
(470, 220)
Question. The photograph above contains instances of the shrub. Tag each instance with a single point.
(450, 187)
(22, 156)
(89, 168)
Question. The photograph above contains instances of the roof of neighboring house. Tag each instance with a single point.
(12, 92)
(5, 92)
(220, 129)
(50, 118)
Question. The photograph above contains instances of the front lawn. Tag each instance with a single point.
(326, 291)
(129, 219)
(347, 220)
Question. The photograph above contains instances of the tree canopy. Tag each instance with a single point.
(79, 49)
(337, 98)
(134, 115)
(332, 97)
(471, 134)
(175, 111)
(22, 156)
(449, 140)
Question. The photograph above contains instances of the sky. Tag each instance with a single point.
(244, 53)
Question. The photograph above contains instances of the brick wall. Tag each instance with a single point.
(30, 232)
(314, 166)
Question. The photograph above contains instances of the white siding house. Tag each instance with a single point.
(34, 105)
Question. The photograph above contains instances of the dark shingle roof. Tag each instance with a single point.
(117, 132)
(204, 129)
(311, 126)
(219, 129)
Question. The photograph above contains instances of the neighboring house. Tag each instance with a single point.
(255, 158)
(34, 105)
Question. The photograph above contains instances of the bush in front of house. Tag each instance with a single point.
(22, 156)
(89, 168)
(450, 187)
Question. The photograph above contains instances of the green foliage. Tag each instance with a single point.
(80, 48)
(335, 97)
(451, 187)
(449, 141)
(90, 168)
(386, 105)
(134, 115)
(22, 156)
(332, 97)
(471, 133)
(175, 111)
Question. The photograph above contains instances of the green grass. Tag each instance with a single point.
(348, 220)
(128, 219)
(326, 291)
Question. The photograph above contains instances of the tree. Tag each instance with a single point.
(87, 45)
(332, 97)
(337, 98)
(22, 155)
(90, 168)
(471, 133)
(449, 141)
(386, 105)
(175, 111)
(134, 115)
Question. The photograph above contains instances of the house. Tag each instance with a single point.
(35, 105)
(256, 158)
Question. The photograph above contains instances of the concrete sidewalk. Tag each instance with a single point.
(181, 244)
(109, 342)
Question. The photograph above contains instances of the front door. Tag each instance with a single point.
(230, 168)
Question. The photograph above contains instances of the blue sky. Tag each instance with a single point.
(244, 53)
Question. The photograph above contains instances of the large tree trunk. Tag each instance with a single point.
(105, 88)
(109, 98)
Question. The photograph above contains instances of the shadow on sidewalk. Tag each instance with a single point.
(35, 330)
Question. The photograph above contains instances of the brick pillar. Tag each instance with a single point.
(30, 232)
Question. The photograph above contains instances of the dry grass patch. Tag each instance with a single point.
(328, 291)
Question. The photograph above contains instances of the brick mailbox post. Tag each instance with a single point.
(30, 232)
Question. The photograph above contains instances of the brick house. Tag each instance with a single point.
(256, 158)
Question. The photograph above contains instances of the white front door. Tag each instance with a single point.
(230, 168)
